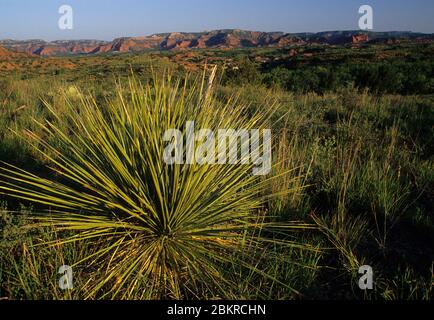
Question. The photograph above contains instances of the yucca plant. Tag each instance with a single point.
(160, 231)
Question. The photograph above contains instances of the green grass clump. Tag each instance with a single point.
(159, 230)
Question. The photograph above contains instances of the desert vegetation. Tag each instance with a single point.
(83, 183)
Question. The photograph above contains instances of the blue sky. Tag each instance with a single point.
(108, 19)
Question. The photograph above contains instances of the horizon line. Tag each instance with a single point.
(220, 29)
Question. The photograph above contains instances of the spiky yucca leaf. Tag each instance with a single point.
(161, 230)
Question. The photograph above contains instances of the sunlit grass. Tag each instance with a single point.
(162, 231)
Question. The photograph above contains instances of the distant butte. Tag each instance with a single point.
(218, 39)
